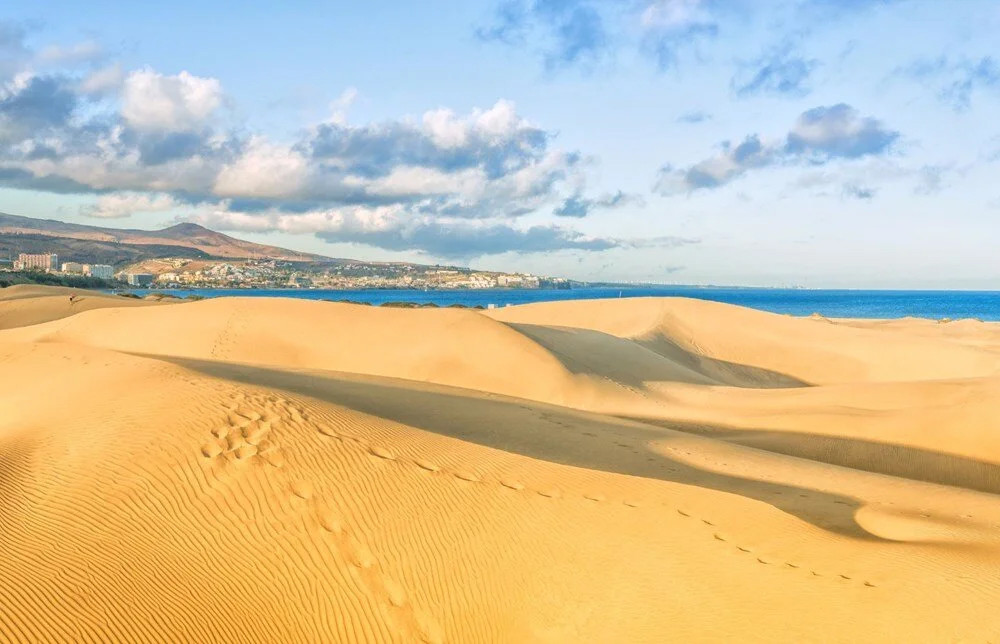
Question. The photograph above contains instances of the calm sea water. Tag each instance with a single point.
(984, 305)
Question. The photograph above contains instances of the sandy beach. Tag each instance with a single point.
(633, 470)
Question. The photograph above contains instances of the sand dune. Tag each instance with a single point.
(25, 305)
(247, 469)
(812, 351)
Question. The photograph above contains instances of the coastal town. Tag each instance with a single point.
(49, 263)
(269, 273)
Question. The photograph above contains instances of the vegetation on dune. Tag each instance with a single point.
(346, 301)
(158, 296)
(400, 305)
(395, 304)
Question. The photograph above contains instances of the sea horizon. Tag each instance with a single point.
(834, 303)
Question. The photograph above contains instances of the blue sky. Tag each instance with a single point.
(850, 143)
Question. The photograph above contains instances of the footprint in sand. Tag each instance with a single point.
(326, 430)
(381, 452)
(395, 592)
(211, 450)
(274, 457)
(256, 434)
(329, 521)
(430, 631)
(361, 556)
(244, 452)
(426, 465)
(302, 489)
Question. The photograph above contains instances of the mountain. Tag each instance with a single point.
(77, 242)
(194, 256)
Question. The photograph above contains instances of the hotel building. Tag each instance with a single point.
(27, 262)
(102, 271)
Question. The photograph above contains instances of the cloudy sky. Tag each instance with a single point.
(838, 143)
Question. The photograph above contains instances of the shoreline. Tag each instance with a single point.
(953, 305)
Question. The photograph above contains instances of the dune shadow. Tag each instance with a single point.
(901, 461)
(537, 430)
(635, 362)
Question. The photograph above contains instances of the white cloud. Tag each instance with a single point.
(820, 135)
(672, 13)
(80, 52)
(455, 184)
(839, 131)
(110, 166)
(445, 128)
(504, 168)
(448, 130)
(17, 84)
(340, 106)
(123, 204)
(263, 170)
(355, 218)
(417, 180)
(393, 227)
(499, 121)
(152, 101)
(103, 81)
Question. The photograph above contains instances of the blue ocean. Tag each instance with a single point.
(984, 305)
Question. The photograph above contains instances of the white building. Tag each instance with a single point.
(27, 262)
(102, 271)
(140, 280)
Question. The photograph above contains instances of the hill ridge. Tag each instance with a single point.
(184, 234)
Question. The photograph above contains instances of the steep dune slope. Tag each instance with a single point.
(643, 358)
(280, 470)
(632, 341)
(460, 348)
(921, 404)
(813, 351)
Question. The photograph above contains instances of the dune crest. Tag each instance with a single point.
(622, 470)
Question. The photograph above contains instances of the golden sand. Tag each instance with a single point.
(251, 469)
